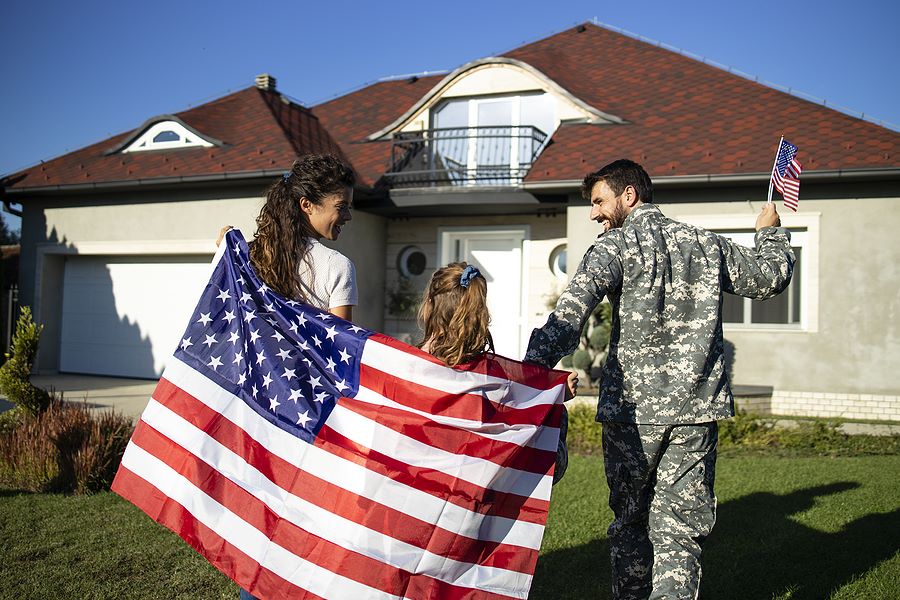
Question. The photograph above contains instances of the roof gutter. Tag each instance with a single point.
(7, 204)
(684, 180)
(557, 185)
(156, 181)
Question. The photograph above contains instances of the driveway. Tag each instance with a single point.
(127, 396)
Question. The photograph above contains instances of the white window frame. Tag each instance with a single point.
(472, 147)
(145, 142)
(804, 234)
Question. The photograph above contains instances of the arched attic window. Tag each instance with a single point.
(166, 135)
(484, 124)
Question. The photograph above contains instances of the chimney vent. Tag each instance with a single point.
(265, 82)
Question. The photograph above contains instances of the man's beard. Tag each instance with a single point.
(616, 218)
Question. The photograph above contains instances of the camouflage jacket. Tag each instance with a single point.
(665, 281)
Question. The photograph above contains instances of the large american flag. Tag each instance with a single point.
(307, 457)
(786, 174)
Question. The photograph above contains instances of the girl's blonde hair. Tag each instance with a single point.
(455, 318)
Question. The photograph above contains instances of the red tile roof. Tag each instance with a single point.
(261, 131)
(686, 117)
(355, 116)
(683, 117)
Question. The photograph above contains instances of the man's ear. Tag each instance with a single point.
(631, 197)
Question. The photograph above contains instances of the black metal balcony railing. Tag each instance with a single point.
(464, 156)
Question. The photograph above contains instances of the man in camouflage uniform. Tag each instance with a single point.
(664, 383)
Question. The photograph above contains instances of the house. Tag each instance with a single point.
(484, 164)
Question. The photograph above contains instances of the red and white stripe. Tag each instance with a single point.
(789, 184)
(432, 482)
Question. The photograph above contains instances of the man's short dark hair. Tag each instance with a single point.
(618, 175)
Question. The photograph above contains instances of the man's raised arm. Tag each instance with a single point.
(764, 271)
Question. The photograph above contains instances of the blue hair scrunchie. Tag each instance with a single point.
(286, 176)
(468, 275)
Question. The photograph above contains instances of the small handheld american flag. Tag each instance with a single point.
(786, 174)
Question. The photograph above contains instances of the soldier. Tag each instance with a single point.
(664, 383)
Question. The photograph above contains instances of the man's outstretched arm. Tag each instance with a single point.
(599, 272)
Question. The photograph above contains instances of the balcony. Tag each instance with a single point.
(464, 156)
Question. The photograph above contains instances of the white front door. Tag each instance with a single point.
(498, 254)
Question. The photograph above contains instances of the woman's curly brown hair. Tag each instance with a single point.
(283, 230)
(455, 319)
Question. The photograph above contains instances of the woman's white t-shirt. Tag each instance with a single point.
(333, 277)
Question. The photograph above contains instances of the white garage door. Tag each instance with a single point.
(124, 315)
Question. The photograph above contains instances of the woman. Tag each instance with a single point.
(310, 202)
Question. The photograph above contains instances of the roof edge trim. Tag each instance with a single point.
(135, 134)
(675, 180)
(598, 116)
(133, 183)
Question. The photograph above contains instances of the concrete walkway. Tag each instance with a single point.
(127, 396)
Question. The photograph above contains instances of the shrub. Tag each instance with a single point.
(746, 429)
(581, 359)
(751, 433)
(592, 344)
(815, 437)
(599, 336)
(15, 374)
(66, 448)
(585, 433)
(403, 300)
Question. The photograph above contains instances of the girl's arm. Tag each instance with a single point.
(344, 312)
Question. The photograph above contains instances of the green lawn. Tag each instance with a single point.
(788, 527)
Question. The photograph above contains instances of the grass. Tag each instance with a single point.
(803, 514)
(801, 527)
(96, 547)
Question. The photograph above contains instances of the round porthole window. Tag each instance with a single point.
(411, 261)
(558, 262)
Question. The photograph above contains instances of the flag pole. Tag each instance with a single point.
(772, 175)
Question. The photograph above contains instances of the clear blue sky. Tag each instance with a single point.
(75, 73)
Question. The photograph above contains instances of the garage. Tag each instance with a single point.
(123, 315)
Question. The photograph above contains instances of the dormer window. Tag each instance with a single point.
(537, 110)
(491, 139)
(484, 124)
(167, 135)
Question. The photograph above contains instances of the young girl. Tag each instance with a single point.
(454, 316)
(310, 202)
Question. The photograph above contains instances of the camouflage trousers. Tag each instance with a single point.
(661, 493)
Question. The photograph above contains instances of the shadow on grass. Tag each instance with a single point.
(756, 550)
(573, 573)
(10, 492)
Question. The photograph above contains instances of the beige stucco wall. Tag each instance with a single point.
(363, 241)
(856, 347)
(164, 223)
(546, 232)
